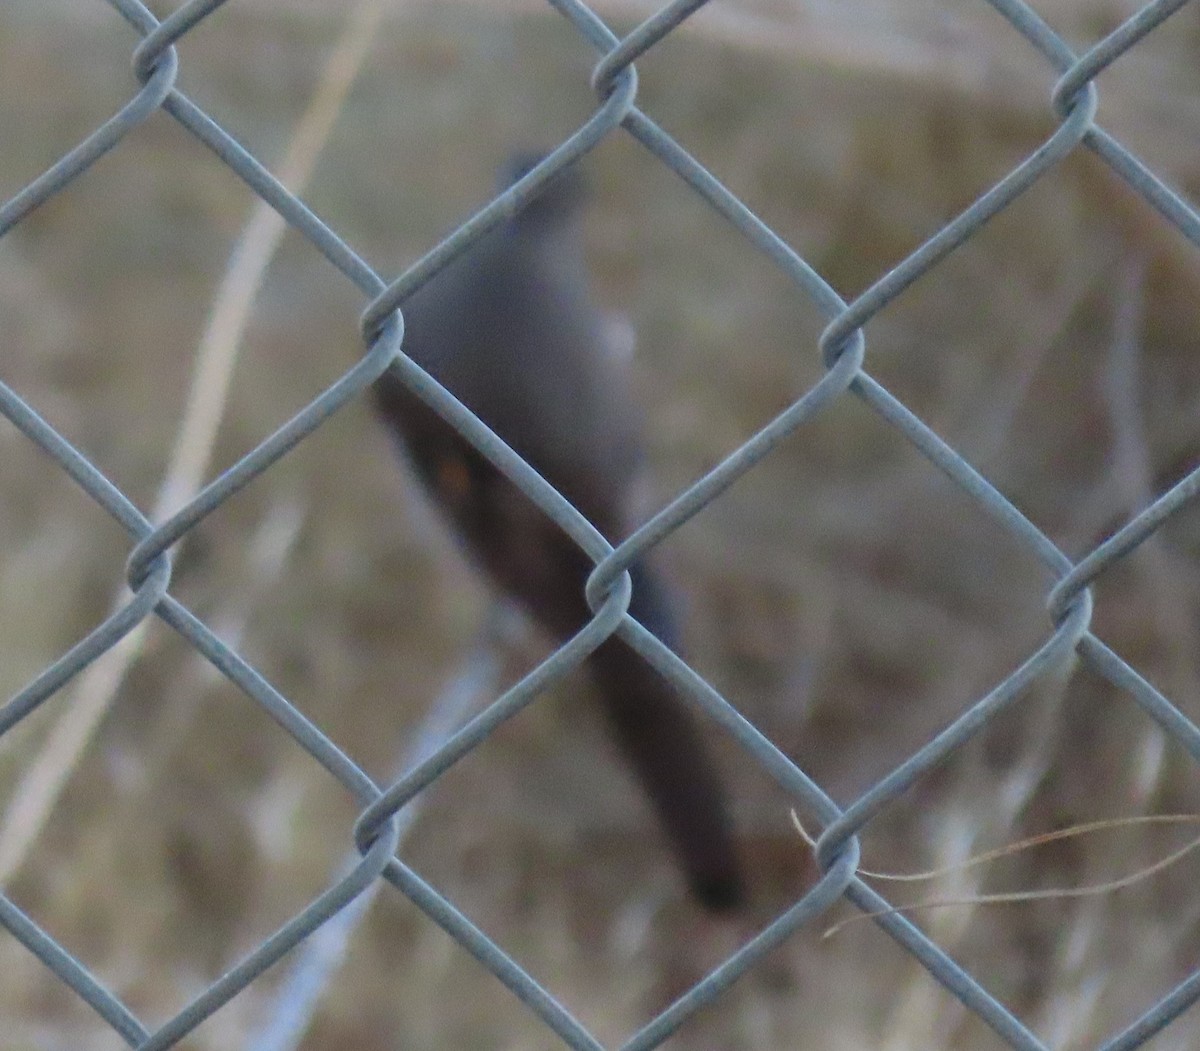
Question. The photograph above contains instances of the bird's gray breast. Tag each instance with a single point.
(513, 335)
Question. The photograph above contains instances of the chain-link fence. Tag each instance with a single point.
(847, 376)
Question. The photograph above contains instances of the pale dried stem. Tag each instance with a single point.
(97, 687)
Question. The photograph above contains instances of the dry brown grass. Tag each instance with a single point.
(844, 596)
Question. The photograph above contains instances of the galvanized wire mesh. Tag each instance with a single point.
(1075, 103)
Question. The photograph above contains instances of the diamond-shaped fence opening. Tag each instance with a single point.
(929, 415)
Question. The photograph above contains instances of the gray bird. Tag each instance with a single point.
(509, 328)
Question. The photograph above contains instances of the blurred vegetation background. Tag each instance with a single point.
(844, 596)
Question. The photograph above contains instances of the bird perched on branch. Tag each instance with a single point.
(509, 328)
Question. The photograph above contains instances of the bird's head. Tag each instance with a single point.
(556, 200)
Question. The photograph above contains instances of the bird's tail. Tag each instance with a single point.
(661, 740)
